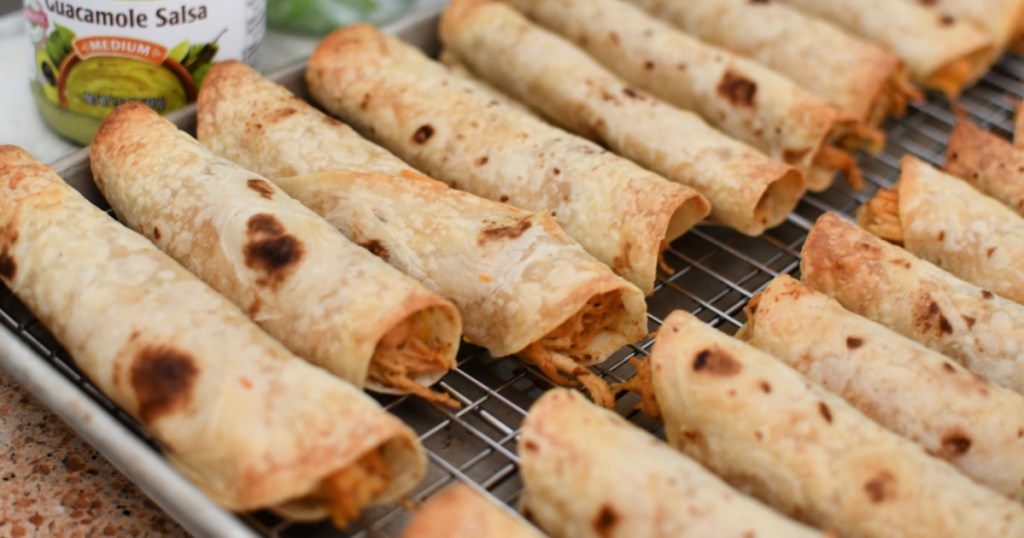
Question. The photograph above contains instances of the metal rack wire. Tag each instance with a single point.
(716, 272)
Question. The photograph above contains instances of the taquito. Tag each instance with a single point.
(327, 299)
(739, 97)
(460, 512)
(522, 286)
(916, 392)
(861, 77)
(941, 53)
(748, 191)
(589, 473)
(998, 19)
(945, 221)
(763, 427)
(447, 127)
(249, 423)
(987, 161)
(885, 283)
(1018, 125)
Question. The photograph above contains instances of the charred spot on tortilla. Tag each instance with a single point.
(737, 89)
(163, 378)
(854, 342)
(530, 446)
(969, 321)
(765, 387)
(793, 156)
(826, 413)
(933, 314)
(631, 93)
(649, 65)
(261, 187)
(605, 520)
(376, 248)
(990, 251)
(716, 362)
(365, 103)
(270, 250)
(948, 366)
(955, 444)
(509, 231)
(985, 294)
(482, 160)
(156, 233)
(423, 134)
(8, 267)
(881, 487)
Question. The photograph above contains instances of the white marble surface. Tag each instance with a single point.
(20, 123)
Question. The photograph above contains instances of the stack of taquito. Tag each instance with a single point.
(748, 191)
(742, 98)
(763, 427)
(252, 425)
(328, 299)
(521, 285)
(453, 130)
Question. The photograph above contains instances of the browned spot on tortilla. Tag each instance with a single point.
(932, 317)
(530, 445)
(280, 114)
(944, 325)
(737, 89)
(261, 187)
(503, 198)
(990, 251)
(986, 294)
(270, 250)
(758, 435)
(8, 267)
(854, 342)
(949, 367)
(649, 65)
(423, 134)
(482, 160)
(156, 233)
(631, 93)
(556, 171)
(715, 361)
(881, 487)
(254, 307)
(955, 444)
(605, 520)
(946, 20)
(766, 387)
(942, 235)
(969, 321)
(825, 412)
(163, 378)
(365, 103)
(509, 231)
(376, 248)
(793, 156)
(614, 38)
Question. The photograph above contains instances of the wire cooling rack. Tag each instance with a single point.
(715, 272)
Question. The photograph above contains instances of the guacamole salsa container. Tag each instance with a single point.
(92, 55)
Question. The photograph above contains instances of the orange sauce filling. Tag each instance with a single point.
(353, 488)
(402, 355)
(881, 216)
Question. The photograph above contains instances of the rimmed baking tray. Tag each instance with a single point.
(715, 272)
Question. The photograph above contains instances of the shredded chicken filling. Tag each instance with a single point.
(950, 78)
(833, 158)
(556, 352)
(881, 216)
(642, 384)
(349, 490)
(402, 355)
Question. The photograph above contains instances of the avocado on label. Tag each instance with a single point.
(91, 56)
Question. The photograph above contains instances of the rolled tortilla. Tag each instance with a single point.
(249, 423)
(739, 97)
(748, 191)
(460, 512)
(327, 299)
(570, 451)
(998, 19)
(914, 391)
(945, 221)
(521, 285)
(987, 161)
(941, 53)
(448, 128)
(866, 80)
(885, 283)
(762, 426)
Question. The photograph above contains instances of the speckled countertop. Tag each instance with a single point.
(53, 484)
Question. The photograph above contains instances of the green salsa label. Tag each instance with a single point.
(94, 55)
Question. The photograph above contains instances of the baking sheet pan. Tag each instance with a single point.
(715, 273)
